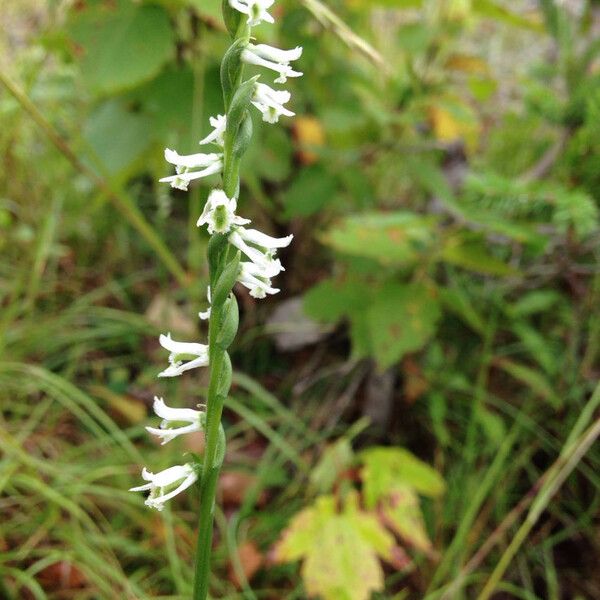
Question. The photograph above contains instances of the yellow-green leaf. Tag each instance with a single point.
(401, 513)
(390, 238)
(339, 550)
(385, 469)
(400, 320)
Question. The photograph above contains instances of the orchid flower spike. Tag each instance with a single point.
(174, 415)
(205, 315)
(166, 484)
(255, 9)
(270, 102)
(207, 163)
(219, 124)
(178, 349)
(219, 213)
(272, 58)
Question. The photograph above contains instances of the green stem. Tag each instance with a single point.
(211, 465)
(214, 434)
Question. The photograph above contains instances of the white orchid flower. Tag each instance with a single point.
(208, 164)
(254, 278)
(219, 213)
(255, 9)
(177, 349)
(219, 124)
(272, 58)
(174, 415)
(166, 484)
(270, 102)
(260, 248)
(204, 315)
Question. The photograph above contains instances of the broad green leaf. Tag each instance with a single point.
(401, 512)
(335, 459)
(118, 138)
(497, 12)
(400, 320)
(472, 255)
(390, 238)
(391, 479)
(122, 44)
(339, 550)
(311, 190)
(331, 299)
(384, 469)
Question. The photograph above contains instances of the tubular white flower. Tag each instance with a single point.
(166, 484)
(270, 102)
(283, 57)
(208, 163)
(204, 315)
(262, 251)
(272, 58)
(219, 213)
(255, 9)
(254, 278)
(177, 367)
(171, 415)
(219, 124)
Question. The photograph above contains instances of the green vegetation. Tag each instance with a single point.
(414, 416)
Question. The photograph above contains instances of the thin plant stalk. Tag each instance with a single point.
(214, 435)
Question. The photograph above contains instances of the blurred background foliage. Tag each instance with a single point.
(429, 369)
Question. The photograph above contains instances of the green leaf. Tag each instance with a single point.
(494, 10)
(457, 300)
(471, 254)
(390, 238)
(402, 513)
(122, 44)
(119, 138)
(311, 190)
(535, 380)
(335, 459)
(391, 479)
(384, 469)
(339, 550)
(331, 299)
(400, 320)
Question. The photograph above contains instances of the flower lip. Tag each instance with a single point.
(219, 213)
(283, 68)
(192, 161)
(219, 124)
(255, 9)
(166, 484)
(177, 367)
(270, 102)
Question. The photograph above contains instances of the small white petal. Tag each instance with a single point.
(219, 124)
(191, 161)
(182, 347)
(158, 501)
(174, 414)
(262, 239)
(276, 54)
(169, 434)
